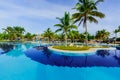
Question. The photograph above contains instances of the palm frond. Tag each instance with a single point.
(77, 6)
(97, 14)
(98, 1)
(61, 20)
(73, 27)
(80, 22)
(81, 1)
(58, 25)
(58, 18)
(76, 15)
(92, 19)
(76, 20)
(58, 30)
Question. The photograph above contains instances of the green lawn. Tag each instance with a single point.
(71, 48)
(79, 48)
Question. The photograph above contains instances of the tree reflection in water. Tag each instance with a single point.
(117, 56)
(104, 58)
(6, 47)
(14, 49)
(16, 52)
(103, 53)
(19, 49)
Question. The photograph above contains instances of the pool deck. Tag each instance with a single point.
(82, 51)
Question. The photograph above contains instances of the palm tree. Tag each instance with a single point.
(65, 25)
(89, 37)
(102, 34)
(14, 32)
(87, 11)
(98, 35)
(105, 34)
(29, 36)
(49, 34)
(119, 28)
(116, 31)
(74, 35)
(10, 32)
(19, 31)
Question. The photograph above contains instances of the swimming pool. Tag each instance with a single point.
(15, 65)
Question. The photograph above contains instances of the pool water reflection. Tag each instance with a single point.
(4, 47)
(106, 58)
(15, 65)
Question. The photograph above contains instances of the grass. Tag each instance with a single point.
(72, 48)
(77, 48)
(100, 47)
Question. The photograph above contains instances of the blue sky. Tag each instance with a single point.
(37, 15)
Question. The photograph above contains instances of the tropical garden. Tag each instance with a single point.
(86, 11)
(15, 33)
(67, 28)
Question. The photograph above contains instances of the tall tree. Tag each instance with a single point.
(14, 32)
(74, 35)
(116, 31)
(29, 36)
(19, 31)
(10, 32)
(49, 34)
(65, 25)
(87, 11)
(102, 34)
(119, 28)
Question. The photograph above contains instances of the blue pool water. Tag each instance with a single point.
(101, 58)
(15, 65)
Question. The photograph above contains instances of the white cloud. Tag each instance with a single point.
(15, 12)
(46, 10)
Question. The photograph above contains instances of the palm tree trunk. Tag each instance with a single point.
(66, 39)
(115, 37)
(86, 32)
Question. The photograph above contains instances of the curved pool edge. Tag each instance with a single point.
(92, 50)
